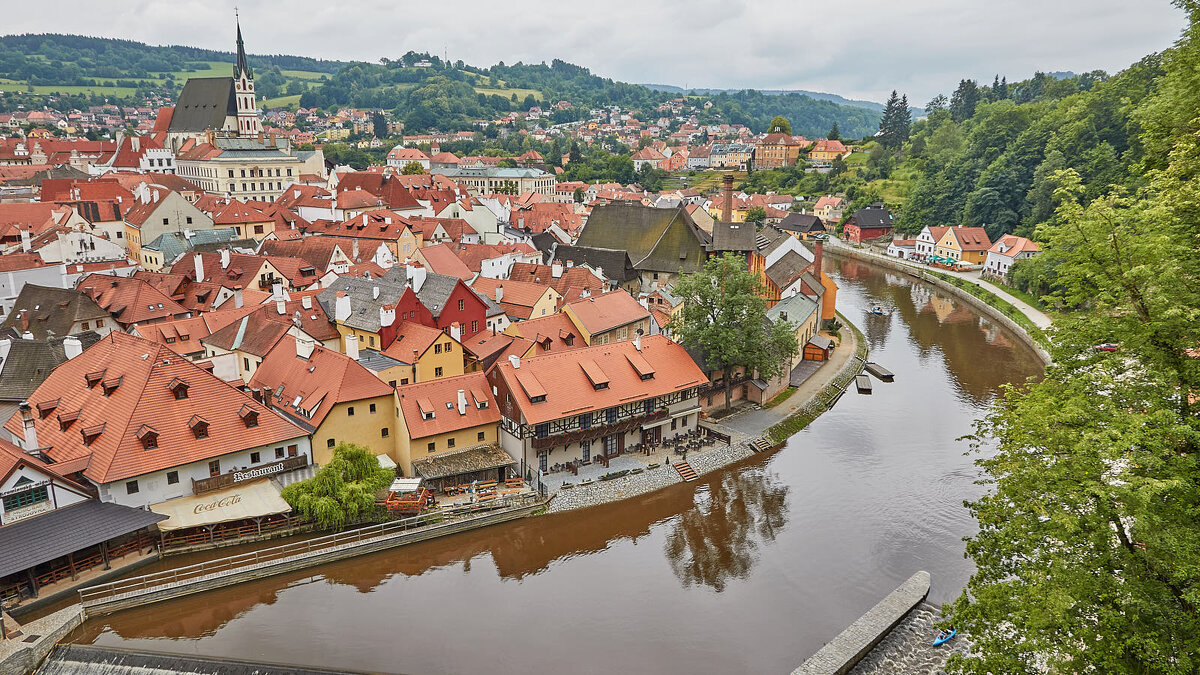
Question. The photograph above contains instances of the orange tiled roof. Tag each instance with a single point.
(308, 388)
(437, 418)
(601, 313)
(412, 337)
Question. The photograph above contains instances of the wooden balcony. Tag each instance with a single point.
(598, 431)
(234, 477)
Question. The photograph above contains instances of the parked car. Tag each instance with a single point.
(1107, 347)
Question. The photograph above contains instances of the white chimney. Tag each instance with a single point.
(341, 307)
(416, 276)
(72, 347)
(374, 292)
(238, 299)
(556, 270)
(637, 343)
(277, 290)
(499, 292)
(462, 402)
(281, 307)
(514, 360)
(304, 348)
(199, 261)
(456, 332)
(224, 258)
(26, 240)
(352, 346)
(387, 315)
(306, 302)
(31, 441)
(5, 346)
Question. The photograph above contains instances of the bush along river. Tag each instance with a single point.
(750, 569)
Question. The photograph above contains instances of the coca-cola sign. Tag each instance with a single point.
(217, 504)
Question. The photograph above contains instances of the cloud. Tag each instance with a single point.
(856, 48)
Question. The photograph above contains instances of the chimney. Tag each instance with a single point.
(462, 402)
(72, 347)
(556, 270)
(352, 346)
(416, 275)
(456, 331)
(238, 299)
(374, 292)
(306, 302)
(515, 361)
(26, 240)
(31, 442)
(304, 348)
(818, 252)
(387, 315)
(281, 307)
(5, 346)
(727, 197)
(499, 292)
(277, 290)
(341, 307)
(637, 343)
(224, 258)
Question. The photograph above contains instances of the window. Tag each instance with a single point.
(586, 447)
(462, 305)
(541, 430)
(683, 421)
(246, 363)
(258, 229)
(26, 498)
(372, 408)
(371, 340)
(437, 372)
(404, 380)
(437, 349)
(231, 173)
(278, 453)
(432, 446)
(383, 433)
(255, 458)
(673, 423)
(131, 487)
(350, 411)
(585, 421)
(166, 221)
(293, 450)
(189, 220)
(243, 175)
(474, 326)
(449, 442)
(330, 443)
(86, 325)
(481, 436)
(214, 468)
(611, 413)
(172, 477)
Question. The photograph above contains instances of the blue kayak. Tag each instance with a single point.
(945, 637)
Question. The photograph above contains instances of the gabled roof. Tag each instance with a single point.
(317, 251)
(601, 313)
(130, 300)
(46, 312)
(412, 337)
(614, 263)
(801, 222)
(306, 389)
(440, 258)
(732, 237)
(662, 240)
(518, 297)
(872, 217)
(248, 335)
(480, 408)
(183, 336)
(29, 363)
(569, 277)
(972, 238)
(550, 333)
(203, 104)
(144, 372)
(787, 269)
(1013, 246)
(567, 389)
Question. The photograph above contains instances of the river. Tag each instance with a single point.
(750, 569)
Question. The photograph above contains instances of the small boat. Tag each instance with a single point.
(877, 311)
(863, 383)
(879, 371)
(944, 636)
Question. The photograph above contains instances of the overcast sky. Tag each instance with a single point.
(856, 48)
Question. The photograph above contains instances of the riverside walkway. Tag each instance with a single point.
(208, 575)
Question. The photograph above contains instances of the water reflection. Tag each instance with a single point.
(717, 541)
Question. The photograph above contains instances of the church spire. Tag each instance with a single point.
(243, 66)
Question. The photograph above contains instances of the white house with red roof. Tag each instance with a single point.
(1006, 251)
(400, 156)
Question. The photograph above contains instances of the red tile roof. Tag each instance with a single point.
(601, 313)
(308, 388)
(130, 300)
(143, 372)
(569, 391)
(441, 259)
(1014, 246)
(551, 333)
(480, 409)
(412, 337)
(518, 297)
(571, 277)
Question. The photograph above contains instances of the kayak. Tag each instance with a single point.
(944, 637)
(878, 311)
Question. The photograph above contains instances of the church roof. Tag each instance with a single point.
(203, 104)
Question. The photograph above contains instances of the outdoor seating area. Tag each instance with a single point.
(692, 441)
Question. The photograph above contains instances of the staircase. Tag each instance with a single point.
(760, 445)
(686, 472)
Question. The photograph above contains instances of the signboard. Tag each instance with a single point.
(258, 472)
(28, 511)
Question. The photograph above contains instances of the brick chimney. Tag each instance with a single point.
(727, 197)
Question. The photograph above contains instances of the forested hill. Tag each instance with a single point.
(449, 96)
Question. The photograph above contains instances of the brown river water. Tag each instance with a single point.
(749, 570)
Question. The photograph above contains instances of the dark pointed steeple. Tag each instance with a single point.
(243, 66)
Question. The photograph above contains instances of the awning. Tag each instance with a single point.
(249, 500)
(477, 458)
(685, 411)
(402, 485)
(385, 461)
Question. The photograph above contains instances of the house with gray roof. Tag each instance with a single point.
(44, 312)
(661, 243)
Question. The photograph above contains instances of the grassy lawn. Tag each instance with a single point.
(1033, 300)
(103, 90)
(781, 397)
(507, 93)
(303, 74)
(282, 102)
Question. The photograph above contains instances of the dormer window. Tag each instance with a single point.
(179, 388)
(249, 416)
(65, 420)
(426, 408)
(148, 436)
(90, 434)
(93, 378)
(110, 385)
(47, 407)
(199, 426)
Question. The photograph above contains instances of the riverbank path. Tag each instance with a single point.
(755, 421)
(1038, 317)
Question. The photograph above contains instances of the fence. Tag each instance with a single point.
(294, 555)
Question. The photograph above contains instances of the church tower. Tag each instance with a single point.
(243, 85)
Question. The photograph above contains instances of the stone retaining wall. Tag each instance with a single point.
(18, 657)
(841, 653)
(917, 273)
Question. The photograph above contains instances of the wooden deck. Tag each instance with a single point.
(863, 383)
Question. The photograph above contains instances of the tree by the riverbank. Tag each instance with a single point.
(1088, 554)
(725, 317)
(342, 490)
